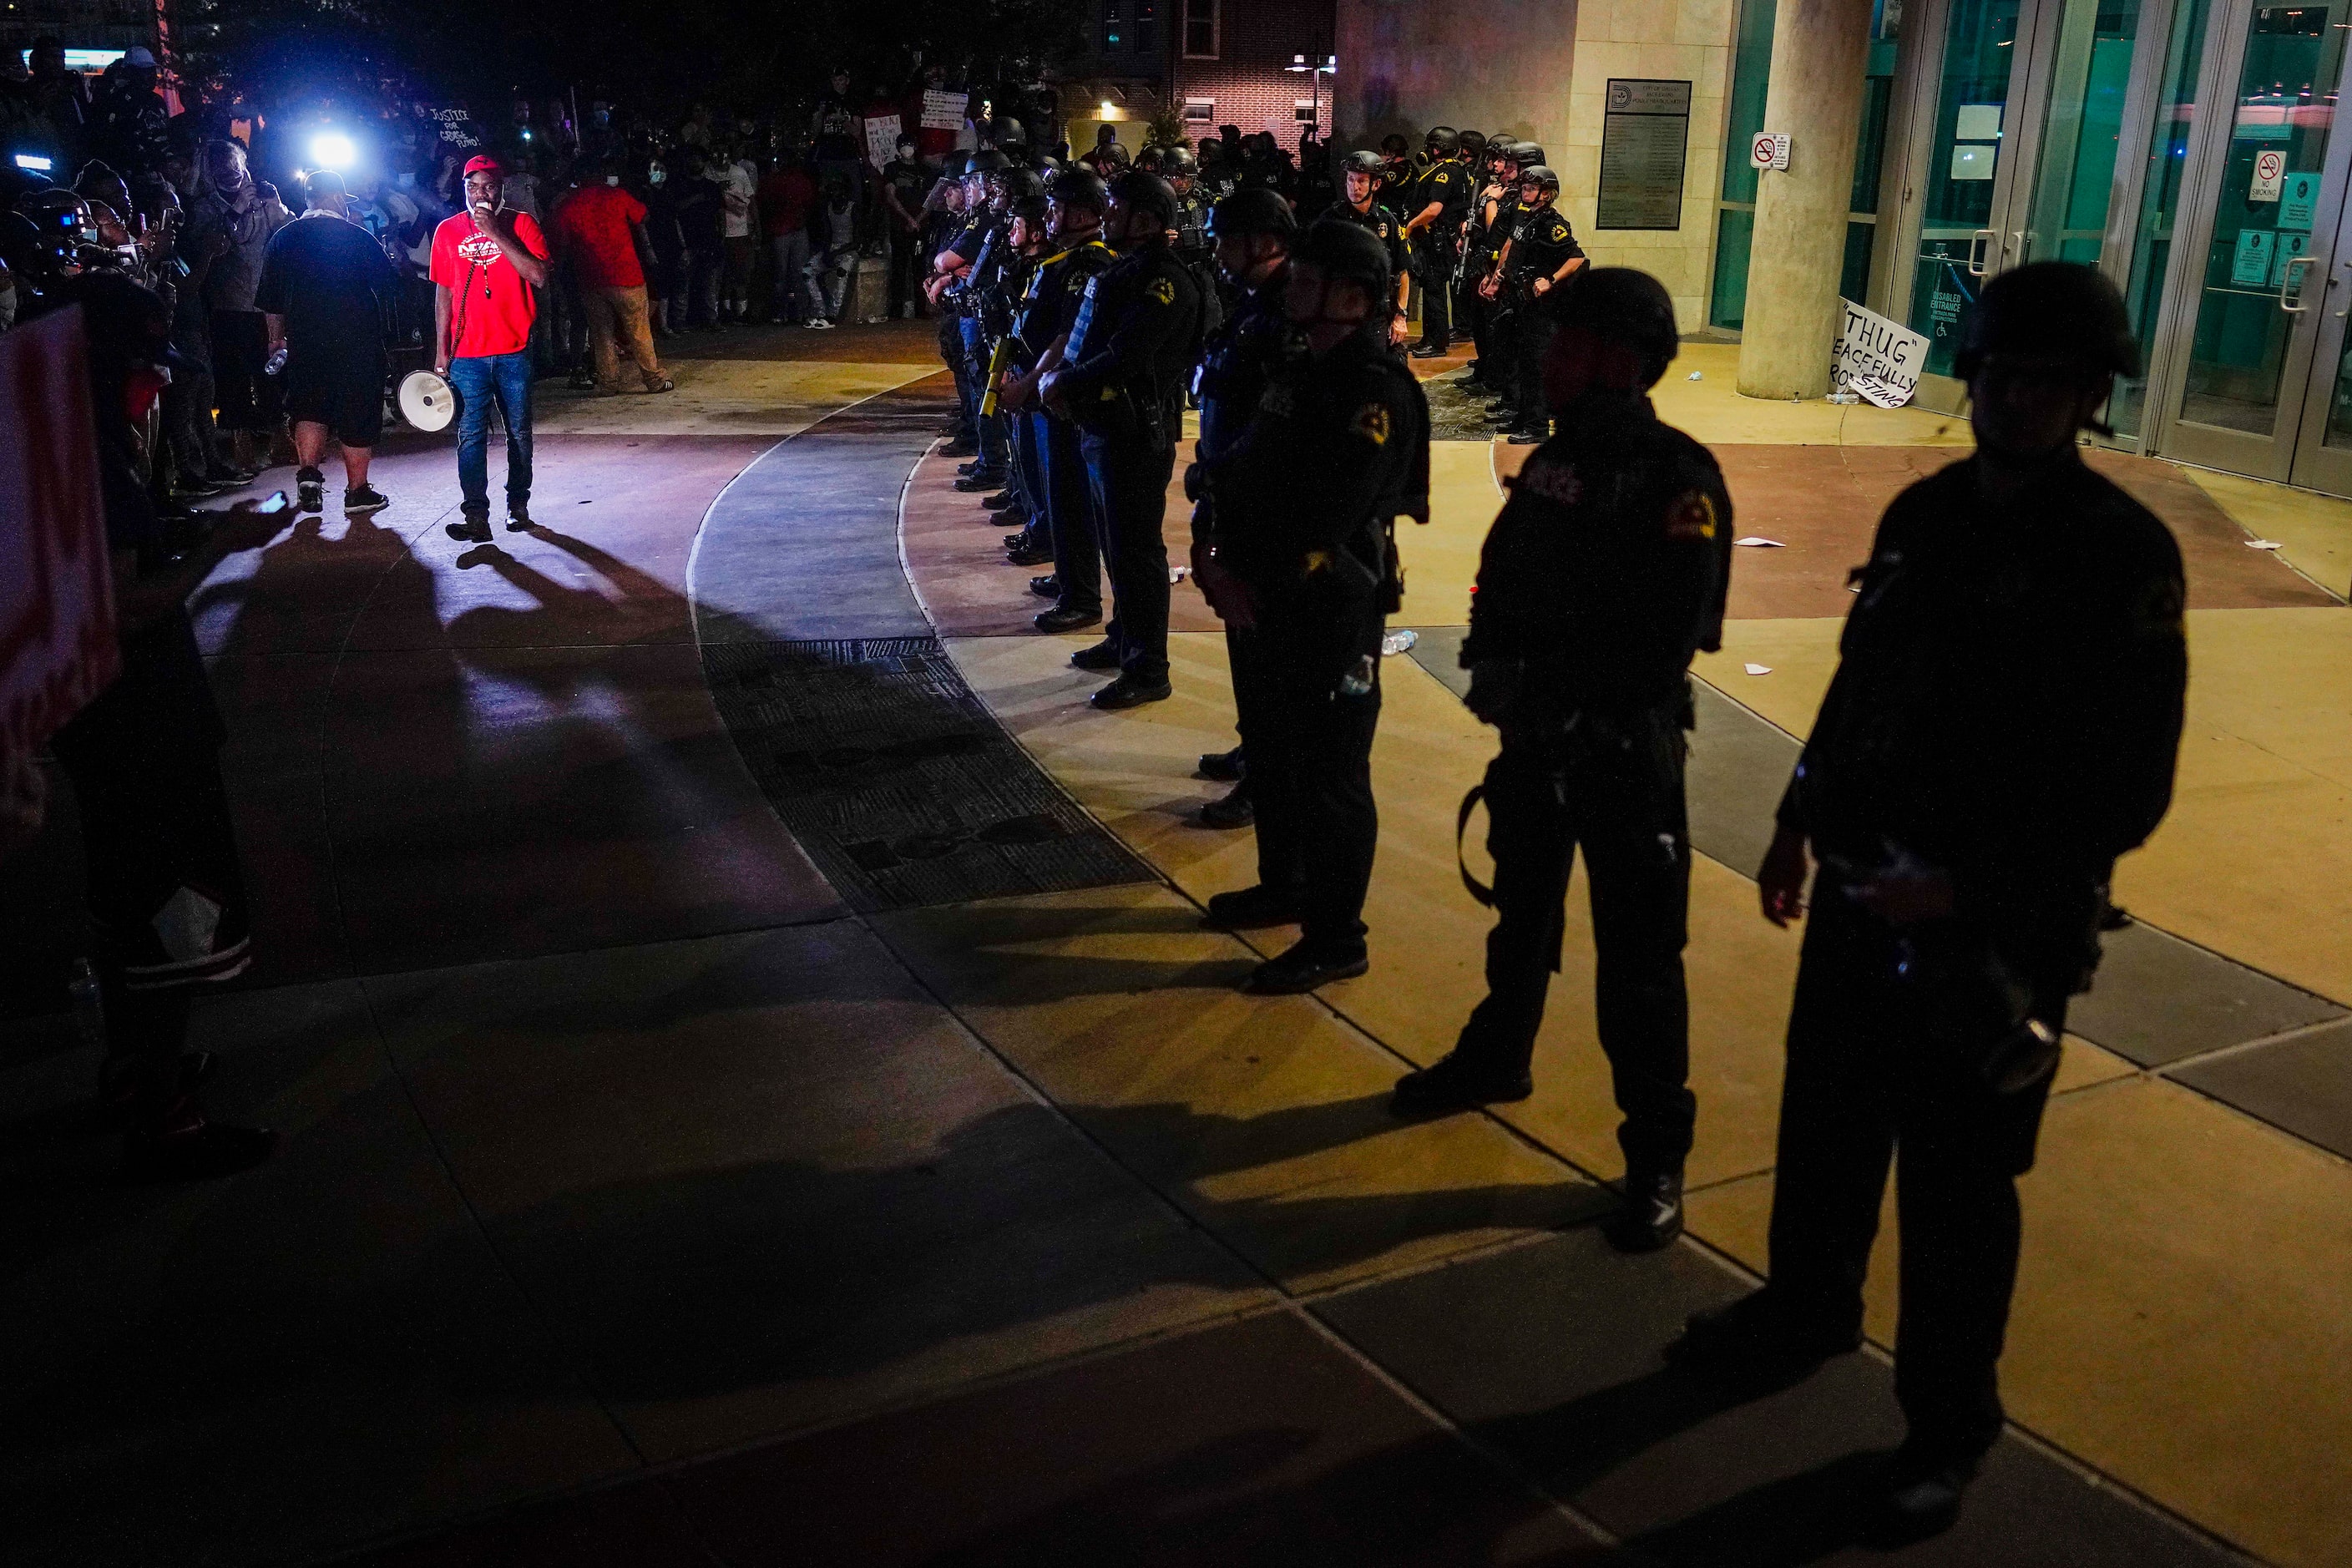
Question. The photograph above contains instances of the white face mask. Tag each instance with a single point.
(611, 179)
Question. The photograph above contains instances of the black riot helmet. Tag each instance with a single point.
(1177, 162)
(1254, 211)
(1624, 306)
(1079, 186)
(1008, 132)
(2050, 308)
(990, 162)
(1394, 146)
(1526, 153)
(1140, 189)
(1031, 210)
(1363, 162)
(1542, 178)
(1339, 249)
(1018, 185)
(1444, 141)
(958, 164)
(1473, 147)
(1151, 159)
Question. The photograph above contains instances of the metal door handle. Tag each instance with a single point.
(2342, 267)
(2023, 245)
(1976, 252)
(2290, 287)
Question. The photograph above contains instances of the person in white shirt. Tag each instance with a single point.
(738, 182)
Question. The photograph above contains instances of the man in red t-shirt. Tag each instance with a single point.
(485, 262)
(786, 193)
(598, 228)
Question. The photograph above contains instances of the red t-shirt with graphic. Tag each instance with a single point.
(492, 307)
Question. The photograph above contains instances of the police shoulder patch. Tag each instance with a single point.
(1161, 290)
(1372, 422)
(1692, 516)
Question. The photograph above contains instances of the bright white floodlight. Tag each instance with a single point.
(333, 150)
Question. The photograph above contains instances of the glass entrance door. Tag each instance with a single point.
(2269, 190)
(2018, 162)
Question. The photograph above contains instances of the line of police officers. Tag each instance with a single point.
(2001, 728)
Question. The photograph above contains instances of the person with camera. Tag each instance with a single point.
(487, 260)
(326, 288)
(2003, 724)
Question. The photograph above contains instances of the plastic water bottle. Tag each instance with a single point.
(277, 361)
(1399, 641)
(88, 1005)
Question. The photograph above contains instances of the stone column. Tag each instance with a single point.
(1819, 50)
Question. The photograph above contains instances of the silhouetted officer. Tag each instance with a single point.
(1252, 232)
(1604, 573)
(1304, 573)
(1122, 379)
(1440, 200)
(2003, 725)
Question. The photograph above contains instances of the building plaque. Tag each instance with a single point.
(1644, 139)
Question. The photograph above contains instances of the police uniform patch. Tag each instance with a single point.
(1692, 516)
(1162, 290)
(1372, 422)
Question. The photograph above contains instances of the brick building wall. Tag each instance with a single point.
(1246, 82)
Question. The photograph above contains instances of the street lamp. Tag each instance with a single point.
(1319, 68)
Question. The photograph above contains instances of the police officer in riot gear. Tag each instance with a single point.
(1075, 254)
(1441, 201)
(1537, 257)
(1482, 248)
(1028, 236)
(1194, 248)
(1121, 379)
(1252, 232)
(1302, 569)
(1359, 204)
(2003, 725)
(1603, 575)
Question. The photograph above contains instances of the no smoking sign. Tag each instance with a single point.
(2270, 176)
(1769, 150)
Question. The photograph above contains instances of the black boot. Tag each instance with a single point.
(1652, 1215)
(1457, 1082)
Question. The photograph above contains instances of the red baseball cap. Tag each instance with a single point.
(483, 163)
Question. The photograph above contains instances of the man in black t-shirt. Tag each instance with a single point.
(325, 284)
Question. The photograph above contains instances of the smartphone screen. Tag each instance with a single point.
(275, 502)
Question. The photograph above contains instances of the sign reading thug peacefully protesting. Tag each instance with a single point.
(1876, 358)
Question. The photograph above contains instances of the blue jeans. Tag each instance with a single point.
(507, 378)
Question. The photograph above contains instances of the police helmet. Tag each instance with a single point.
(1526, 154)
(1394, 145)
(1019, 184)
(1444, 141)
(1009, 133)
(1542, 178)
(1079, 186)
(1031, 209)
(1341, 250)
(1140, 189)
(1179, 162)
(987, 163)
(1621, 305)
(2050, 308)
(1363, 162)
(1473, 146)
(957, 166)
(1254, 210)
(1150, 159)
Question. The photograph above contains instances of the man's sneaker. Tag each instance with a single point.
(194, 1150)
(474, 528)
(1761, 1342)
(1652, 1215)
(1303, 969)
(1097, 656)
(1432, 351)
(1127, 692)
(518, 517)
(1528, 437)
(1231, 810)
(311, 490)
(1000, 501)
(817, 324)
(1457, 1082)
(1919, 1496)
(1046, 587)
(1253, 908)
(361, 499)
(1225, 767)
